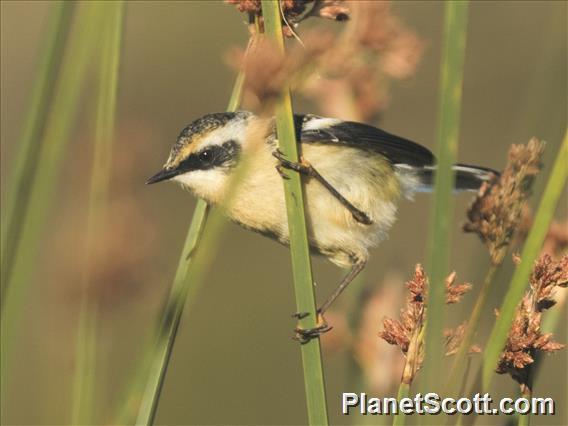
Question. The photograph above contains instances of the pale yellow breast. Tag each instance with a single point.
(367, 182)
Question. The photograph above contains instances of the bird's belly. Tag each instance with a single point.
(332, 230)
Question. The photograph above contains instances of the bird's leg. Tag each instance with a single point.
(305, 168)
(355, 270)
(304, 335)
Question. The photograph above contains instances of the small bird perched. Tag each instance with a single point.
(355, 176)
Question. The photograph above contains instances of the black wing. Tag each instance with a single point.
(358, 135)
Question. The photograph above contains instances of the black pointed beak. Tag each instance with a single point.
(162, 175)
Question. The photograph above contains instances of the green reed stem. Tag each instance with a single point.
(403, 392)
(86, 359)
(62, 113)
(455, 25)
(531, 249)
(85, 365)
(525, 419)
(301, 265)
(188, 278)
(27, 157)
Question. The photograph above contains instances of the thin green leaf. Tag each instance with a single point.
(301, 265)
(187, 280)
(403, 392)
(86, 360)
(25, 163)
(52, 152)
(85, 365)
(455, 25)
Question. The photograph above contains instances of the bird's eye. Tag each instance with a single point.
(205, 156)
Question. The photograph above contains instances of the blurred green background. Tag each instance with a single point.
(234, 361)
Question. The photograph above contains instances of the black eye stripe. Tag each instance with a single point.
(189, 163)
(232, 149)
(224, 155)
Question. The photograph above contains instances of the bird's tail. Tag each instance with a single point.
(468, 178)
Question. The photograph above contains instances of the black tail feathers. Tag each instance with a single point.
(468, 178)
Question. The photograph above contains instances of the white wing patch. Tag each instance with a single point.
(318, 123)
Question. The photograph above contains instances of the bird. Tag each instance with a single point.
(354, 177)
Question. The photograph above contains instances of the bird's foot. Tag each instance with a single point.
(281, 172)
(304, 335)
(302, 166)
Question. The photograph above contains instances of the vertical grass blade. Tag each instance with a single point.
(52, 152)
(25, 163)
(85, 365)
(531, 249)
(86, 360)
(185, 283)
(525, 419)
(301, 265)
(171, 319)
(455, 24)
(403, 392)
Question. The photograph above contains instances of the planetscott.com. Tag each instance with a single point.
(432, 403)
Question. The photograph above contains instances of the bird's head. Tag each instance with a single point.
(206, 151)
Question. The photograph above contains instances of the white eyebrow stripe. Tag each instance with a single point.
(236, 130)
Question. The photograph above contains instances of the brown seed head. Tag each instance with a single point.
(353, 78)
(496, 210)
(548, 274)
(246, 6)
(525, 337)
(407, 333)
(268, 71)
(412, 317)
(454, 292)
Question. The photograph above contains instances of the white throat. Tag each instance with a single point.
(207, 184)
